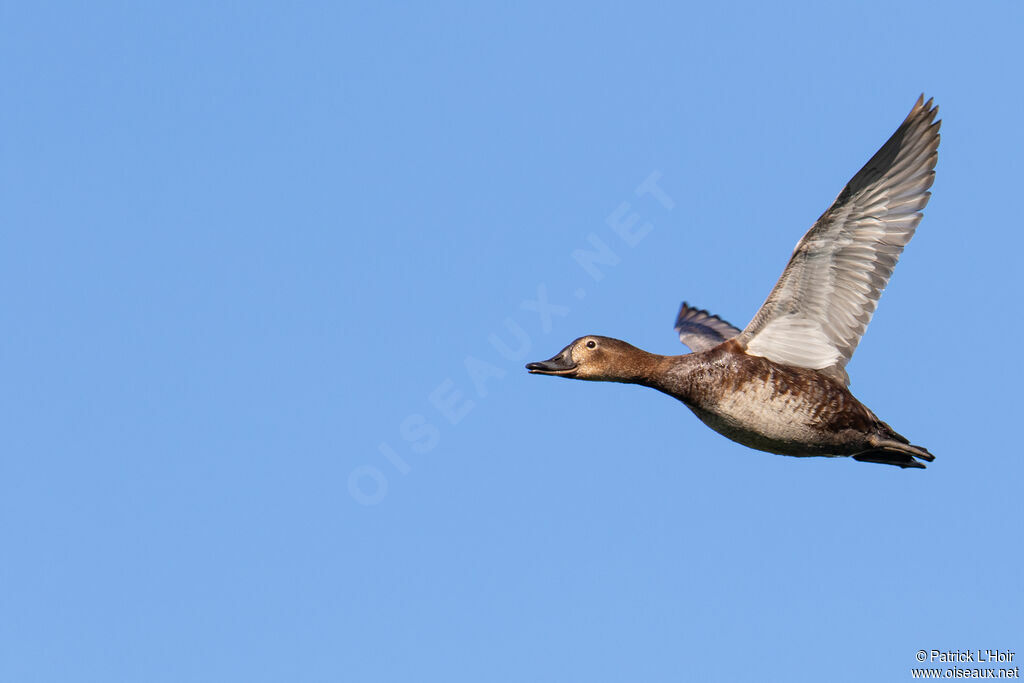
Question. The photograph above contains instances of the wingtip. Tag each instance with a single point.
(923, 108)
(685, 309)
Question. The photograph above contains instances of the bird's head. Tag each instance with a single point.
(595, 358)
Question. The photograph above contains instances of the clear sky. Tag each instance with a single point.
(270, 273)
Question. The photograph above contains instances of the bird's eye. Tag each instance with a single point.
(591, 344)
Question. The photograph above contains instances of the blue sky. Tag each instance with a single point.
(271, 273)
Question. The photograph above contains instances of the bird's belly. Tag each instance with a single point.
(762, 418)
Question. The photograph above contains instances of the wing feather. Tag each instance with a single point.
(700, 330)
(820, 307)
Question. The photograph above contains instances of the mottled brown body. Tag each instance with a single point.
(768, 406)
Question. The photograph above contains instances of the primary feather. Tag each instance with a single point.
(700, 330)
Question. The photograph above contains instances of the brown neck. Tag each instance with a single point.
(667, 374)
(648, 369)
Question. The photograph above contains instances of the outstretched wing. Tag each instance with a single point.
(700, 330)
(820, 307)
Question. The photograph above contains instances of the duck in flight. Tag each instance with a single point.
(780, 384)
